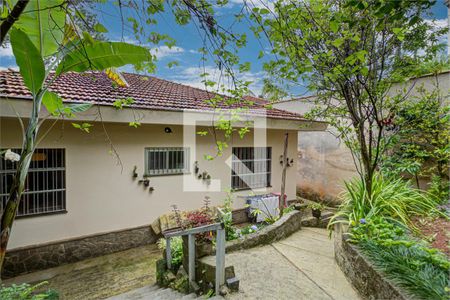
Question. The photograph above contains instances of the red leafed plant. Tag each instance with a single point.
(200, 218)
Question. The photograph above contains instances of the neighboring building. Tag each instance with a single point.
(82, 200)
(323, 161)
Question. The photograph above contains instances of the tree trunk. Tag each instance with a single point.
(282, 202)
(12, 18)
(365, 157)
(18, 185)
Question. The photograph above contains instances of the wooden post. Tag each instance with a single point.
(220, 259)
(282, 204)
(168, 254)
(191, 245)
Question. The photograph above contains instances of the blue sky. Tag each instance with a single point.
(188, 41)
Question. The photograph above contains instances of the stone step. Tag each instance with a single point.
(154, 292)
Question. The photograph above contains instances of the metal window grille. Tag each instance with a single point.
(251, 167)
(45, 186)
(166, 160)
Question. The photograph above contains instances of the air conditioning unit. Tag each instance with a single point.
(267, 205)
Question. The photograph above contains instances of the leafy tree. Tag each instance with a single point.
(46, 44)
(350, 53)
(420, 143)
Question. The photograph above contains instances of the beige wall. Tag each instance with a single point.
(102, 197)
(323, 162)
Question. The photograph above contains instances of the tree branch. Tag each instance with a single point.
(12, 18)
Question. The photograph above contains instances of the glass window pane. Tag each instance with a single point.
(45, 182)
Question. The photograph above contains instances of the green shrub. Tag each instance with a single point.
(26, 291)
(176, 246)
(227, 218)
(439, 188)
(394, 199)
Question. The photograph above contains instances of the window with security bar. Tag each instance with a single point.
(166, 161)
(251, 167)
(45, 186)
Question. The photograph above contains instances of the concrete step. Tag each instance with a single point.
(154, 292)
(189, 297)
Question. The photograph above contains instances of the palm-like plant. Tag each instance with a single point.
(392, 199)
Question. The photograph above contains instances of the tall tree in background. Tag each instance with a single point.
(350, 53)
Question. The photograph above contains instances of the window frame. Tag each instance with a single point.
(40, 170)
(268, 172)
(161, 172)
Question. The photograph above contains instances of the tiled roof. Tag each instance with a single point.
(148, 92)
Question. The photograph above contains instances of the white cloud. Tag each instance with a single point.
(165, 51)
(439, 23)
(6, 51)
(191, 76)
(12, 67)
(159, 51)
(269, 4)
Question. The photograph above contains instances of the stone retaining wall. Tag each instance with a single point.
(29, 259)
(370, 283)
(285, 226)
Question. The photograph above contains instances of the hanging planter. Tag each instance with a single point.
(196, 168)
(145, 181)
(135, 174)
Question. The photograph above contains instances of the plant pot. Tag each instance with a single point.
(316, 213)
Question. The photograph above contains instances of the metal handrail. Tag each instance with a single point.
(220, 250)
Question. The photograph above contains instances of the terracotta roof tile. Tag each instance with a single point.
(148, 92)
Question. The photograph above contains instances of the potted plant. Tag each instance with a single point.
(316, 209)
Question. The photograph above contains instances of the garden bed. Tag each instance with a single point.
(370, 283)
(437, 231)
(282, 228)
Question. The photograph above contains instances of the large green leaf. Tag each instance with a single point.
(43, 21)
(102, 55)
(79, 107)
(28, 59)
(53, 103)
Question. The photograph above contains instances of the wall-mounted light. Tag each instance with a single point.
(168, 130)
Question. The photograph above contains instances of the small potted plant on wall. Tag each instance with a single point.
(316, 209)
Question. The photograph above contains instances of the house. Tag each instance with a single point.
(324, 162)
(93, 193)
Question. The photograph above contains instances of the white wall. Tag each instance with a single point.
(101, 197)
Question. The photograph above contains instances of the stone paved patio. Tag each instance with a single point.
(100, 277)
(301, 266)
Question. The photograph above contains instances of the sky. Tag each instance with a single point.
(188, 41)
